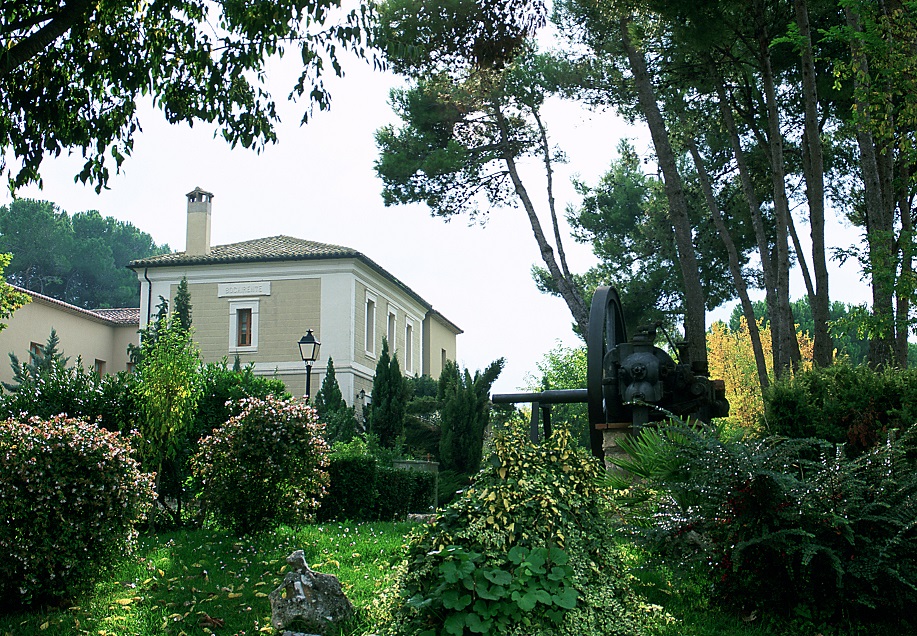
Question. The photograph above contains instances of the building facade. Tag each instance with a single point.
(98, 338)
(254, 300)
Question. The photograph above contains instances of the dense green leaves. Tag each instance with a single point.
(339, 419)
(783, 525)
(80, 259)
(464, 414)
(71, 73)
(167, 394)
(451, 35)
(264, 467)
(524, 550)
(10, 299)
(389, 397)
(71, 496)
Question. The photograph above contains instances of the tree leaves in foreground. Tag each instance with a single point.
(10, 299)
(72, 72)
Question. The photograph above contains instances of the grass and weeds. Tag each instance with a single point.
(210, 582)
(199, 582)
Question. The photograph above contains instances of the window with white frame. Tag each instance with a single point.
(391, 330)
(408, 346)
(370, 338)
(243, 326)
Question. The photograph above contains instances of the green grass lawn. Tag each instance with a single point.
(207, 581)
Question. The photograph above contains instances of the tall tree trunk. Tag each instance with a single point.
(782, 313)
(801, 257)
(735, 268)
(814, 168)
(695, 307)
(754, 209)
(879, 218)
(549, 185)
(565, 285)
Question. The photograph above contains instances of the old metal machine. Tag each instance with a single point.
(629, 383)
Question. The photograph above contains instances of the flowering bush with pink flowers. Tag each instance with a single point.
(71, 496)
(264, 467)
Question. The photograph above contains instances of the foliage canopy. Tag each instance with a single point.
(72, 72)
(79, 259)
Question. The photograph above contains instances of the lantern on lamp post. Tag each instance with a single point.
(308, 349)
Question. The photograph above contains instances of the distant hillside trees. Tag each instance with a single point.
(80, 259)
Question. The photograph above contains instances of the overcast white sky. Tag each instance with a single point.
(318, 183)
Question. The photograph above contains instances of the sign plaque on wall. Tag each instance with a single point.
(255, 288)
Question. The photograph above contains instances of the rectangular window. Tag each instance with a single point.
(244, 327)
(409, 348)
(391, 331)
(35, 351)
(370, 326)
(442, 364)
(99, 367)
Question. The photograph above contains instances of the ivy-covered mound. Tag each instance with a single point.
(527, 549)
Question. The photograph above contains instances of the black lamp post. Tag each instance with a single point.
(308, 349)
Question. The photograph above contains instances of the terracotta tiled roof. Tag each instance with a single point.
(126, 316)
(122, 316)
(274, 248)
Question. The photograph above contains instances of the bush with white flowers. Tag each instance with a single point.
(71, 496)
(264, 467)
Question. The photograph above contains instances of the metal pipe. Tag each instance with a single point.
(555, 396)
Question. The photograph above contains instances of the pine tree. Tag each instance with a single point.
(339, 419)
(388, 400)
(464, 415)
(41, 360)
(149, 333)
(329, 398)
(183, 305)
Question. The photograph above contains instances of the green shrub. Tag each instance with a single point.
(266, 466)
(79, 392)
(70, 498)
(856, 406)
(362, 488)
(222, 392)
(524, 550)
(784, 525)
(400, 491)
(351, 489)
(451, 483)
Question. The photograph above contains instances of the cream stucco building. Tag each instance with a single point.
(98, 337)
(255, 299)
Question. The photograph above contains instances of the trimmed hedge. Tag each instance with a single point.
(401, 492)
(71, 496)
(361, 489)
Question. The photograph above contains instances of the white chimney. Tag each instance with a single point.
(197, 242)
